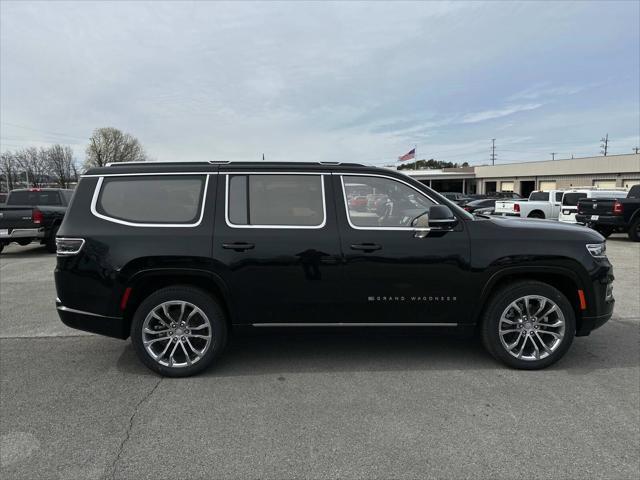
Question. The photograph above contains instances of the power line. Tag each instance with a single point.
(43, 131)
(604, 145)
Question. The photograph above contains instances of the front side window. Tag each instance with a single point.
(382, 202)
(272, 200)
(150, 199)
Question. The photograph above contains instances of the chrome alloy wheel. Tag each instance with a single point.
(176, 334)
(531, 327)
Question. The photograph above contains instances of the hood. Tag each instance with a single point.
(546, 229)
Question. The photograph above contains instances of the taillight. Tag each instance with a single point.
(468, 209)
(516, 208)
(617, 208)
(68, 246)
(36, 216)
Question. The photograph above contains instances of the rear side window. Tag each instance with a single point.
(539, 197)
(28, 197)
(273, 200)
(572, 199)
(159, 199)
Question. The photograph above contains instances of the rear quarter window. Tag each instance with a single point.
(157, 199)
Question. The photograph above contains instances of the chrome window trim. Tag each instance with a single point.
(96, 194)
(346, 204)
(284, 227)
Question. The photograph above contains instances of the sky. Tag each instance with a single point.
(302, 81)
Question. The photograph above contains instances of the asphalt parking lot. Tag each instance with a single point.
(75, 405)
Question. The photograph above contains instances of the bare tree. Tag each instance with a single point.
(9, 170)
(60, 164)
(33, 163)
(110, 145)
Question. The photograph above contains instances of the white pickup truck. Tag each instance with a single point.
(539, 205)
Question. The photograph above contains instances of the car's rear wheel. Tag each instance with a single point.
(536, 215)
(178, 331)
(634, 230)
(528, 325)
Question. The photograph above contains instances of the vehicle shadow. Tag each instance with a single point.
(613, 346)
(14, 251)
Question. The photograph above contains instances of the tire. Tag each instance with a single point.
(499, 311)
(536, 215)
(634, 230)
(604, 231)
(180, 340)
(1, 247)
(24, 243)
(50, 243)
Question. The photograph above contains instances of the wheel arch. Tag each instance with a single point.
(565, 280)
(536, 213)
(146, 282)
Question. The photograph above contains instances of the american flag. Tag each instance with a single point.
(410, 155)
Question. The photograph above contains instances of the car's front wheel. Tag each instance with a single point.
(178, 331)
(528, 325)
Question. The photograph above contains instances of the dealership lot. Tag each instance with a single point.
(76, 405)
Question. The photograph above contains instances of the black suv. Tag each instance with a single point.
(177, 255)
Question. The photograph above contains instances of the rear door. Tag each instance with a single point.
(392, 277)
(277, 243)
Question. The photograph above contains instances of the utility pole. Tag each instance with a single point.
(604, 146)
(493, 151)
(553, 155)
(635, 150)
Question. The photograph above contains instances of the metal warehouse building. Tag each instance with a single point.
(524, 177)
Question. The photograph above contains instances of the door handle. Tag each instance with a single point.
(238, 246)
(366, 247)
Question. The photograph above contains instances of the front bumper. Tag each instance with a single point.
(23, 233)
(92, 322)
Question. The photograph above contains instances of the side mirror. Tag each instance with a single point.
(438, 218)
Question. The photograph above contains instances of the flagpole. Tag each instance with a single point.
(415, 153)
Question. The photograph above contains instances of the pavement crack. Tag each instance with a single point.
(124, 441)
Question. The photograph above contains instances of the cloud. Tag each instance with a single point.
(503, 112)
(314, 81)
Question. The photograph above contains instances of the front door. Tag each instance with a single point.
(277, 242)
(391, 276)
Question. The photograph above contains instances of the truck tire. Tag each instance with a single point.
(178, 331)
(536, 214)
(634, 230)
(24, 242)
(528, 325)
(50, 242)
(1, 247)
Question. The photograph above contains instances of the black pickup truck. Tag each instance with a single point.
(33, 214)
(609, 215)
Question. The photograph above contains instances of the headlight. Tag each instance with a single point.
(597, 249)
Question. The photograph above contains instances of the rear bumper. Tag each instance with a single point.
(23, 233)
(92, 322)
(505, 214)
(616, 221)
